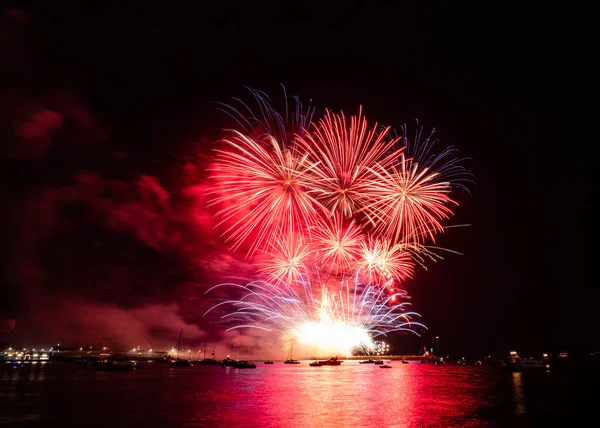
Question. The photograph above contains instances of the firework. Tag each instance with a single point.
(383, 261)
(336, 214)
(343, 154)
(343, 321)
(287, 256)
(264, 118)
(408, 202)
(264, 188)
(336, 244)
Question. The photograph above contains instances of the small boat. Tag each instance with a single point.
(112, 365)
(268, 362)
(177, 362)
(519, 365)
(243, 365)
(208, 361)
(369, 361)
(379, 362)
(333, 361)
(385, 366)
(290, 360)
(181, 363)
(404, 362)
(227, 362)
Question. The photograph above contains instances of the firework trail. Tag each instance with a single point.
(265, 119)
(319, 204)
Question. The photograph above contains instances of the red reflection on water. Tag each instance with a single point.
(361, 395)
(278, 395)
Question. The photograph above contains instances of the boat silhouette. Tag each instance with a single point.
(242, 364)
(333, 361)
(208, 361)
(179, 362)
(290, 360)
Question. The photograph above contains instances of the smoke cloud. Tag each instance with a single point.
(96, 250)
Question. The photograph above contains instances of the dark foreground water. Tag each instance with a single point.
(351, 395)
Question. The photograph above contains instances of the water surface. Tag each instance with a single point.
(351, 395)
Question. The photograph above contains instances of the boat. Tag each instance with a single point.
(208, 361)
(179, 362)
(242, 364)
(227, 362)
(519, 365)
(378, 362)
(369, 361)
(385, 366)
(514, 363)
(112, 365)
(290, 360)
(333, 361)
(404, 362)
(268, 362)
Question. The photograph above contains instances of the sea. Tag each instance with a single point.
(65, 394)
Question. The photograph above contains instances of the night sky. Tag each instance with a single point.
(107, 111)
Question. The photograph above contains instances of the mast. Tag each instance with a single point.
(179, 343)
(205, 350)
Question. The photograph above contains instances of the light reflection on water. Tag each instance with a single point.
(351, 395)
(519, 394)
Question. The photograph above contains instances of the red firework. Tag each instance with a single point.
(287, 258)
(342, 153)
(336, 244)
(262, 190)
(382, 261)
(311, 198)
(407, 202)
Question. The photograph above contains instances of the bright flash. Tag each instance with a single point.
(333, 337)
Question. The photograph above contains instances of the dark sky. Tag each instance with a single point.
(94, 96)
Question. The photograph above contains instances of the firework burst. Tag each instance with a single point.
(340, 321)
(287, 256)
(342, 153)
(383, 261)
(408, 202)
(264, 188)
(336, 213)
(336, 244)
